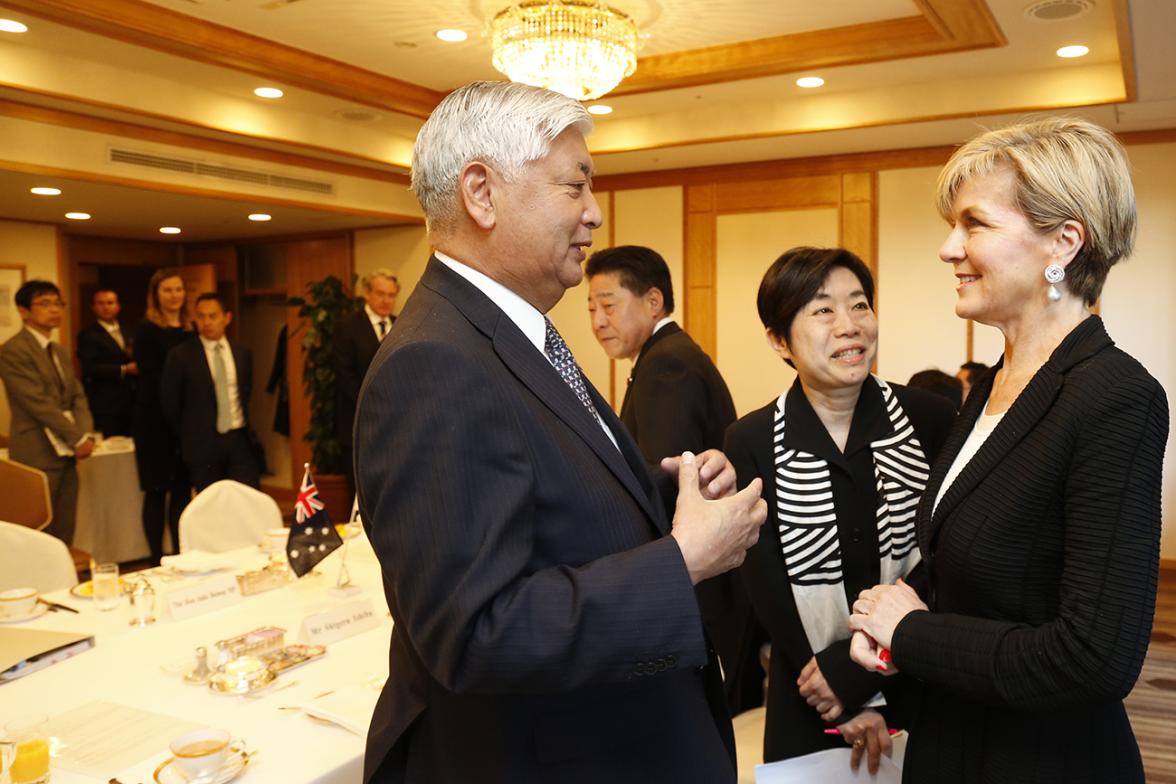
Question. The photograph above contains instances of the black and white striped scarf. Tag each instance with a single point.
(807, 520)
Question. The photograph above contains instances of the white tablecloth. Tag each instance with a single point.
(110, 504)
(125, 667)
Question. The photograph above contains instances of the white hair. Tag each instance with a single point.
(502, 124)
(382, 272)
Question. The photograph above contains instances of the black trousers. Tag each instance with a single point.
(230, 456)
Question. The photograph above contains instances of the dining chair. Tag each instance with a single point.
(227, 515)
(31, 558)
(25, 501)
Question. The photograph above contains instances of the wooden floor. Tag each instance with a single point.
(1152, 705)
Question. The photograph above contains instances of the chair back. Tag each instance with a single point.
(33, 558)
(25, 499)
(227, 515)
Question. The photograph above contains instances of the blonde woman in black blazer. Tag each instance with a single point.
(1040, 528)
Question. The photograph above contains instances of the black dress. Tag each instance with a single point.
(793, 727)
(157, 448)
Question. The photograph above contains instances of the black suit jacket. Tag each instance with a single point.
(352, 348)
(111, 394)
(188, 396)
(546, 629)
(1042, 560)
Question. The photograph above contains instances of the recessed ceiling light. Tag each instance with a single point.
(12, 26)
(268, 92)
(78, 215)
(600, 108)
(260, 216)
(169, 229)
(809, 81)
(449, 35)
(44, 191)
(1077, 50)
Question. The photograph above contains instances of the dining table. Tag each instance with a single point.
(143, 667)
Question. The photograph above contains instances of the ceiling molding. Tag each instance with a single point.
(168, 31)
(1126, 48)
(945, 26)
(86, 122)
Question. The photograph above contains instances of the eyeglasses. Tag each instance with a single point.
(48, 303)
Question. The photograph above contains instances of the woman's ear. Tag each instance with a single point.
(1069, 240)
(475, 186)
(778, 345)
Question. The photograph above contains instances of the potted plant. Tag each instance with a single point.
(326, 301)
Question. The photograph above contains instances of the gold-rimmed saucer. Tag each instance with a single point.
(235, 762)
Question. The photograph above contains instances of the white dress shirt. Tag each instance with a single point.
(236, 414)
(115, 332)
(375, 318)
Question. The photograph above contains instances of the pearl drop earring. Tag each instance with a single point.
(1055, 274)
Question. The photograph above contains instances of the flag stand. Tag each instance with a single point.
(343, 586)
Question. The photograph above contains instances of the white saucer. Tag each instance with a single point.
(235, 762)
(38, 610)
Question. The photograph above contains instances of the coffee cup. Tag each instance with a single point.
(18, 602)
(201, 754)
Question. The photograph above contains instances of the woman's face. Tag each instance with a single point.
(834, 337)
(999, 257)
(171, 294)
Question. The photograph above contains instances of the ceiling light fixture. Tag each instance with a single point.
(78, 215)
(1075, 50)
(600, 109)
(580, 48)
(169, 229)
(12, 26)
(268, 92)
(41, 190)
(260, 217)
(451, 36)
(809, 82)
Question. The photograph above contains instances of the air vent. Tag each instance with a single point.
(1057, 10)
(219, 171)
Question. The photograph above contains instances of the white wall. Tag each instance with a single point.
(402, 249)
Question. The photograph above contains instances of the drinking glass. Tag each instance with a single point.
(106, 586)
(30, 764)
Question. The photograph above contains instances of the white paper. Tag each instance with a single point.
(828, 767)
(60, 447)
(339, 623)
(99, 739)
(206, 596)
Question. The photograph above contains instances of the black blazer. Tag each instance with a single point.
(189, 397)
(546, 629)
(793, 727)
(1042, 560)
(157, 453)
(110, 393)
(352, 348)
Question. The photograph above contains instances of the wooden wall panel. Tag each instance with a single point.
(764, 195)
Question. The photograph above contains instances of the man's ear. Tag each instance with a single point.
(655, 300)
(475, 186)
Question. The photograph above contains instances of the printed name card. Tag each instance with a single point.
(206, 596)
(339, 623)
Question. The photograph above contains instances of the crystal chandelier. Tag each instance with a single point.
(579, 48)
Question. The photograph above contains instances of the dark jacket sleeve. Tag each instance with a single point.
(344, 353)
(94, 361)
(670, 407)
(171, 388)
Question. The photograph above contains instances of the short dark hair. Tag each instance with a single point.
(102, 290)
(639, 268)
(974, 370)
(940, 383)
(212, 296)
(31, 289)
(796, 277)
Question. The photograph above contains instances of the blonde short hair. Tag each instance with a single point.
(382, 272)
(1065, 169)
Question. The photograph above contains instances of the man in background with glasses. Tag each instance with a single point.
(51, 423)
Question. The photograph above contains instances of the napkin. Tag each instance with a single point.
(351, 707)
(196, 561)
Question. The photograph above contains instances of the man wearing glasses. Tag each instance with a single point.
(51, 420)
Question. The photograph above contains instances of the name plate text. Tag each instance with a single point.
(206, 596)
(339, 623)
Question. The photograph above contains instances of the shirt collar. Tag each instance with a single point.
(42, 341)
(111, 326)
(525, 316)
(374, 317)
(209, 345)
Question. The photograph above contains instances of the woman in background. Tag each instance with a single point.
(162, 476)
(1040, 529)
(843, 456)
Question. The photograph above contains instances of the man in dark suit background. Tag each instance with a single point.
(108, 372)
(205, 396)
(357, 336)
(545, 626)
(676, 401)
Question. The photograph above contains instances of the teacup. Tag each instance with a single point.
(18, 602)
(201, 754)
(275, 539)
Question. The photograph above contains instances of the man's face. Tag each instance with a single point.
(381, 296)
(211, 319)
(106, 306)
(546, 217)
(621, 320)
(46, 312)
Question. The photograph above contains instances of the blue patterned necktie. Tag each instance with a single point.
(565, 364)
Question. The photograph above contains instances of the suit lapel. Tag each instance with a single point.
(666, 331)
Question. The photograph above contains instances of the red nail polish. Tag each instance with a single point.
(884, 655)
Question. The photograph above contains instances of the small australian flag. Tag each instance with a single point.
(312, 537)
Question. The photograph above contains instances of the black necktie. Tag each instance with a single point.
(565, 364)
(383, 328)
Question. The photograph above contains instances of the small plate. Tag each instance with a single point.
(244, 675)
(167, 773)
(38, 610)
(86, 590)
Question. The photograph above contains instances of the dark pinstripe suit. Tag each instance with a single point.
(546, 629)
(1042, 561)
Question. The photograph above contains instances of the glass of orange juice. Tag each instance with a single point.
(30, 764)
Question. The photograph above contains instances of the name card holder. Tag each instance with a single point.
(206, 596)
(338, 623)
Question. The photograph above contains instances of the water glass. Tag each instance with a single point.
(107, 590)
(30, 764)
